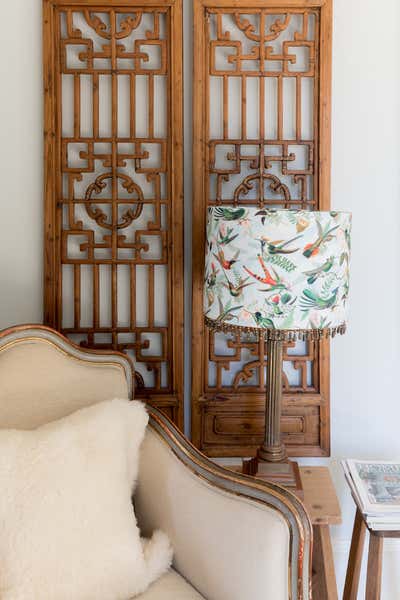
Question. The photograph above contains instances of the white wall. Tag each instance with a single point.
(366, 180)
(21, 163)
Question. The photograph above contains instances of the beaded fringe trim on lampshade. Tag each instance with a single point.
(284, 335)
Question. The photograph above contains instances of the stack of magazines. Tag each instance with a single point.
(375, 487)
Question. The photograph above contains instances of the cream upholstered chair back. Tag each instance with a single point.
(44, 377)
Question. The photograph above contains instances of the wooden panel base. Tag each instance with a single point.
(234, 426)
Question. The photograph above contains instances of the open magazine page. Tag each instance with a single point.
(377, 485)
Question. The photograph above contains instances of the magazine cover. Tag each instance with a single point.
(377, 484)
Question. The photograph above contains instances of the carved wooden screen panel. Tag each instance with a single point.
(261, 137)
(113, 191)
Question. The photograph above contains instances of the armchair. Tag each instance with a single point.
(234, 537)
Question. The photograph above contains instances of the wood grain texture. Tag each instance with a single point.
(323, 507)
(320, 496)
(374, 569)
(49, 158)
(355, 558)
(375, 557)
(235, 162)
(114, 185)
(324, 579)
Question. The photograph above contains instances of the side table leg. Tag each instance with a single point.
(324, 579)
(374, 573)
(355, 558)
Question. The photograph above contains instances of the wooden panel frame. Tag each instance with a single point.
(170, 400)
(241, 405)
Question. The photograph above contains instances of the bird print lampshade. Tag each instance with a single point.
(280, 273)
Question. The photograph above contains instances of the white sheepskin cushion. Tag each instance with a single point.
(67, 525)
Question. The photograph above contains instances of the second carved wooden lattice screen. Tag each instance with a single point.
(261, 138)
(113, 185)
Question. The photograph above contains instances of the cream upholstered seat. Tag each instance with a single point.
(171, 585)
(234, 538)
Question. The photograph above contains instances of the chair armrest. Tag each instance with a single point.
(234, 536)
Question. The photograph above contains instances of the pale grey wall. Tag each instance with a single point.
(21, 163)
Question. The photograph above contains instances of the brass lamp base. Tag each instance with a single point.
(282, 473)
(271, 463)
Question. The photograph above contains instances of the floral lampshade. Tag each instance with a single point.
(283, 274)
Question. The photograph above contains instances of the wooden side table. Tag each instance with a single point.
(374, 568)
(323, 507)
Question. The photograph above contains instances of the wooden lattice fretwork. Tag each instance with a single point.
(261, 137)
(113, 119)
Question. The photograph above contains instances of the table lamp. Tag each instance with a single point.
(283, 275)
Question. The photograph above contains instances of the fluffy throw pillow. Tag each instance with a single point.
(67, 525)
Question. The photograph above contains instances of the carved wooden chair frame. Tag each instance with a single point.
(273, 496)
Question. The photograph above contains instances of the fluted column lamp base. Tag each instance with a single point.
(271, 461)
(285, 473)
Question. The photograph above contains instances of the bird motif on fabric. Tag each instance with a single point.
(279, 246)
(325, 235)
(236, 290)
(229, 214)
(210, 297)
(224, 262)
(274, 282)
(226, 237)
(264, 322)
(212, 277)
(315, 273)
(311, 300)
(274, 306)
(263, 213)
(225, 313)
